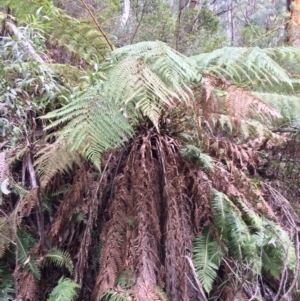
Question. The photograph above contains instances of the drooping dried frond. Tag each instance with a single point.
(74, 198)
(239, 102)
(28, 202)
(7, 231)
(232, 153)
(53, 159)
(27, 284)
(84, 38)
(150, 180)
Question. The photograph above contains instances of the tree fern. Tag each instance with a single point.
(64, 291)
(59, 258)
(207, 256)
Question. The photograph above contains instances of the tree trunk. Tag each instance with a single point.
(126, 11)
(294, 26)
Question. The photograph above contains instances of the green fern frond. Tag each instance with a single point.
(240, 65)
(193, 153)
(287, 105)
(59, 258)
(64, 291)
(125, 279)
(25, 242)
(263, 244)
(286, 54)
(161, 58)
(112, 295)
(150, 75)
(6, 285)
(97, 253)
(53, 159)
(234, 232)
(93, 125)
(207, 256)
(277, 248)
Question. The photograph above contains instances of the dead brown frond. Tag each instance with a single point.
(74, 199)
(157, 196)
(27, 285)
(231, 153)
(239, 102)
(28, 202)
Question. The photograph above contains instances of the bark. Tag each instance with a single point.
(126, 11)
(294, 26)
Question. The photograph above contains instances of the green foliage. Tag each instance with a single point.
(25, 85)
(64, 291)
(198, 30)
(94, 125)
(59, 258)
(193, 153)
(207, 257)
(25, 242)
(234, 232)
(143, 79)
(259, 242)
(287, 105)
(149, 75)
(247, 66)
(153, 21)
(6, 285)
(125, 279)
(83, 37)
(112, 295)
